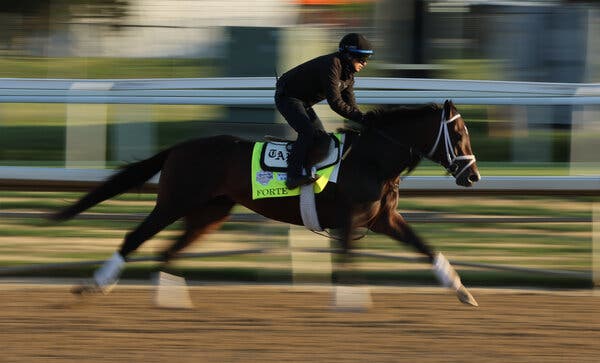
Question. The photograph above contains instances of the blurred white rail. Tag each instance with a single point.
(34, 178)
(259, 91)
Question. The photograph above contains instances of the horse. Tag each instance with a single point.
(202, 179)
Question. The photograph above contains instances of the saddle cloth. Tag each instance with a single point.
(269, 166)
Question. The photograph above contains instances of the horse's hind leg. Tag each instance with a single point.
(201, 221)
(108, 274)
(395, 226)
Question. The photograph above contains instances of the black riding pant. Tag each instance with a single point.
(307, 124)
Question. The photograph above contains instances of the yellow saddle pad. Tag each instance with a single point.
(269, 181)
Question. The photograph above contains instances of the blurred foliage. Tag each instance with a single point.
(44, 127)
(43, 67)
(111, 10)
(25, 7)
(472, 69)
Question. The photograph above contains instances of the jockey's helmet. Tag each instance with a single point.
(356, 46)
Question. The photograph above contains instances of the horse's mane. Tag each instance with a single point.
(384, 114)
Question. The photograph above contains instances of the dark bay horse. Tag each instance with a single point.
(201, 180)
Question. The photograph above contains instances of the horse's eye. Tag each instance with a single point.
(458, 138)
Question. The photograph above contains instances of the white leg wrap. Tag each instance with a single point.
(445, 273)
(109, 272)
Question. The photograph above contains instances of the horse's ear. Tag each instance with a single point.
(447, 107)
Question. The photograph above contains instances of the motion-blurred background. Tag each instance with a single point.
(545, 41)
(532, 41)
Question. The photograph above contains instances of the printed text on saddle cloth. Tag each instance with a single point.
(278, 156)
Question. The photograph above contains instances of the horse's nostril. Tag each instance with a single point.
(473, 178)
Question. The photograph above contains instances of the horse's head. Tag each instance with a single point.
(451, 147)
(424, 131)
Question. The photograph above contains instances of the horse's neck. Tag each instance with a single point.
(385, 155)
(411, 131)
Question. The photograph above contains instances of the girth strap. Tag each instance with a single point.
(308, 208)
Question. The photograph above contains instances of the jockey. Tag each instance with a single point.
(328, 77)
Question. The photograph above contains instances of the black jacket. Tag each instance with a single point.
(328, 77)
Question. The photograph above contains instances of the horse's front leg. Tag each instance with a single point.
(349, 217)
(394, 226)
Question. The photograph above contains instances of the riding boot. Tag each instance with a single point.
(295, 175)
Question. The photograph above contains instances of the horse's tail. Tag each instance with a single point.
(131, 176)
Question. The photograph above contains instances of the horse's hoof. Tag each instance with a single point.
(83, 290)
(91, 289)
(465, 296)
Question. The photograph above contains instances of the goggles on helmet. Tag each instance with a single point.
(358, 54)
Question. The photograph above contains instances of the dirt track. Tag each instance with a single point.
(287, 324)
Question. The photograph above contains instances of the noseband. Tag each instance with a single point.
(451, 157)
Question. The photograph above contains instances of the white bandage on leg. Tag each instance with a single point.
(108, 274)
(445, 273)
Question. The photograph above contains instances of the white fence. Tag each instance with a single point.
(259, 91)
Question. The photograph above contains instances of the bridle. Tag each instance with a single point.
(451, 157)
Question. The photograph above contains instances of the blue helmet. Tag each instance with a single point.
(356, 46)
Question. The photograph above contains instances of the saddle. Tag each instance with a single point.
(274, 154)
